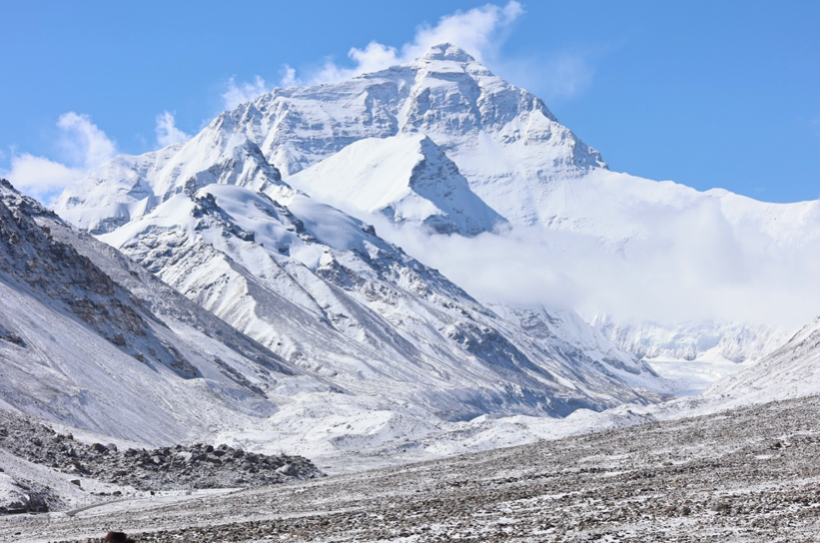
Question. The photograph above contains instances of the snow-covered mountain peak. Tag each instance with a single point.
(503, 140)
(447, 51)
(128, 187)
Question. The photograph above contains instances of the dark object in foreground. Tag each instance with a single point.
(117, 537)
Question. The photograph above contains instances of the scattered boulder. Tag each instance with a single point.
(16, 497)
(117, 537)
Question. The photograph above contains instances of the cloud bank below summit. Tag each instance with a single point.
(679, 276)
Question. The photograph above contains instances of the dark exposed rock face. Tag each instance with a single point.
(27, 251)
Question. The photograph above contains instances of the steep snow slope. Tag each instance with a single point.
(127, 187)
(406, 178)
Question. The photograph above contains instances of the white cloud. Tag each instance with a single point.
(289, 78)
(480, 31)
(83, 142)
(40, 177)
(167, 132)
(83, 146)
(243, 92)
(696, 266)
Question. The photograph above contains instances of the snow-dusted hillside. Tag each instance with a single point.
(322, 290)
(79, 347)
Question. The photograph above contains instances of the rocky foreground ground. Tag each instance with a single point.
(751, 474)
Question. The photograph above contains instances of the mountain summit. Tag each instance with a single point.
(447, 51)
(502, 139)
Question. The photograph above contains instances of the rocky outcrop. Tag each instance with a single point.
(189, 466)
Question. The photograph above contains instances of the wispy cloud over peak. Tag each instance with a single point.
(83, 142)
(480, 31)
(239, 93)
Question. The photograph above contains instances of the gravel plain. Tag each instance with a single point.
(751, 474)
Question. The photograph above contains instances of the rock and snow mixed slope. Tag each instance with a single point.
(322, 290)
(114, 350)
(746, 475)
(363, 346)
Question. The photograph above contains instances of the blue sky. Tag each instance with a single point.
(709, 94)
